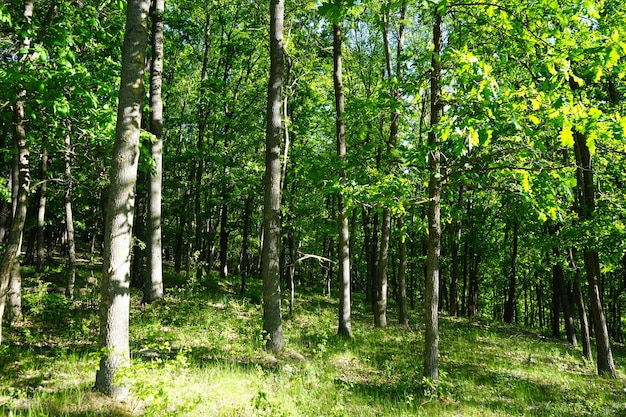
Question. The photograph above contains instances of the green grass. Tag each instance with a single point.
(199, 353)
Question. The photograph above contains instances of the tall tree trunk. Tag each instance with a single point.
(14, 312)
(454, 249)
(584, 323)
(344, 328)
(138, 251)
(431, 333)
(69, 218)
(509, 308)
(244, 269)
(272, 318)
(200, 143)
(224, 239)
(41, 209)
(564, 298)
(115, 301)
(586, 206)
(153, 285)
(403, 317)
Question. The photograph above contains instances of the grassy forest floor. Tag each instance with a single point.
(199, 353)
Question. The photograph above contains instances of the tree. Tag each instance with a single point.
(12, 248)
(272, 317)
(431, 332)
(153, 287)
(115, 295)
(343, 250)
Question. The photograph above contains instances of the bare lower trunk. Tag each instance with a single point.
(153, 285)
(69, 220)
(272, 317)
(114, 287)
(380, 310)
(431, 332)
(41, 211)
(403, 317)
(14, 312)
(584, 323)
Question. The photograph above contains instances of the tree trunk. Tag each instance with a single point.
(454, 249)
(115, 301)
(69, 219)
(138, 251)
(431, 333)
(20, 202)
(224, 240)
(197, 248)
(563, 290)
(41, 210)
(14, 313)
(153, 285)
(403, 317)
(344, 327)
(380, 310)
(509, 309)
(244, 269)
(272, 318)
(586, 206)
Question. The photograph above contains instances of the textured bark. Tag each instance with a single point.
(344, 328)
(153, 284)
(270, 265)
(20, 200)
(69, 219)
(586, 206)
(115, 301)
(431, 333)
(14, 303)
(564, 298)
(12, 248)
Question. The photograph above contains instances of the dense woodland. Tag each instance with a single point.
(426, 158)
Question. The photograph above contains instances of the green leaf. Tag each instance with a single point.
(566, 136)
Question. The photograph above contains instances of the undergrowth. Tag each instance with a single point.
(199, 352)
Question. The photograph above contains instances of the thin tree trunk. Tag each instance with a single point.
(403, 317)
(69, 218)
(41, 210)
(272, 317)
(454, 249)
(153, 285)
(431, 333)
(380, 310)
(115, 301)
(200, 165)
(245, 258)
(510, 307)
(344, 327)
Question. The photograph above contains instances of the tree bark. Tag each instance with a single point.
(115, 301)
(41, 209)
(380, 307)
(403, 317)
(20, 202)
(454, 249)
(509, 309)
(584, 323)
(431, 333)
(586, 206)
(344, 327)
(69, 218)
(272, 318)
(153, 285)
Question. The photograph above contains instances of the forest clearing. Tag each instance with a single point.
(340, 207)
